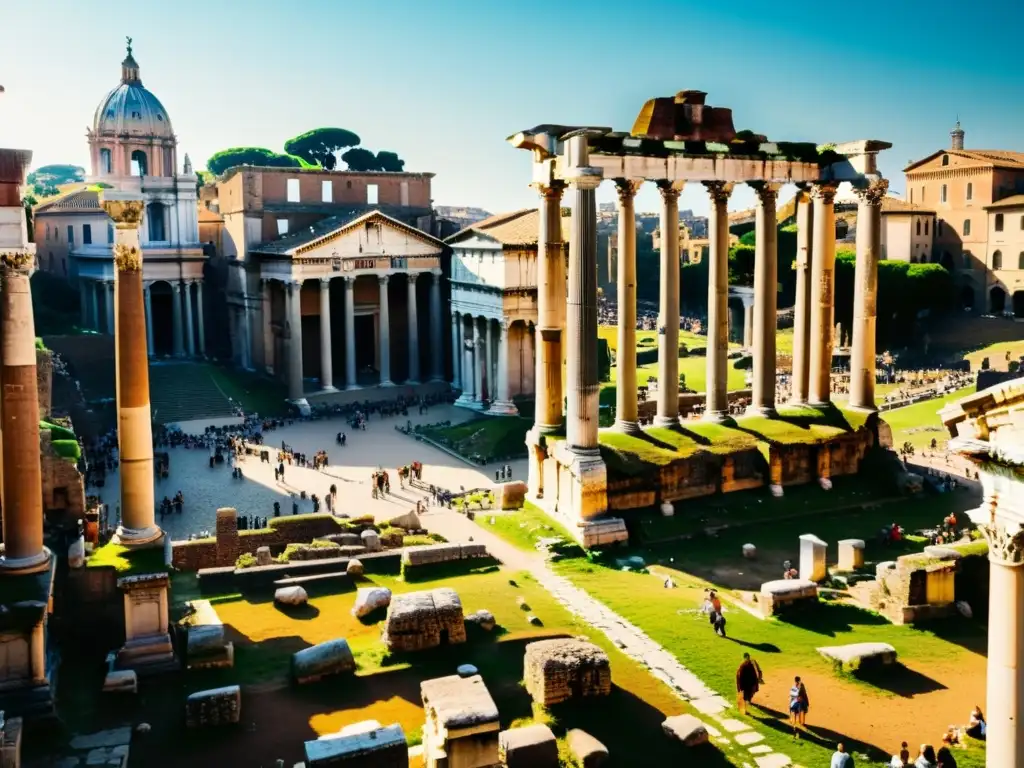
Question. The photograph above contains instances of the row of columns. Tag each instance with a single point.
(293, 316)
(475, 341)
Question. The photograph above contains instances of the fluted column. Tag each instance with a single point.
(501, 399)
(457, 350)
(717, 402)
(199, 317)
(190, 336)
(351, 381)
(134, 419)
(748, 325)
(802, 311)
(822, 294)
(436, 333)
(550, 311)
(385, 334)
(414, 330)
(294, 299)
(766, 286)
(149, 317)
(326, 361)
(626, 409)
(109, 286)
(480, 361)
(94, 307)
(179, 350)
(865, 294)
(668, 307)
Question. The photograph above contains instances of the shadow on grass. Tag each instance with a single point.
(822, 737)
(305, 612)
(831, 619)
(899, 680)
(762, 647)
(968, 634)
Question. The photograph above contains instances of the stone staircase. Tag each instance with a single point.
(185, 391)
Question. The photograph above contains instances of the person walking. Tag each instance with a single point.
(841, 759)
(799, 703)
(748, 682)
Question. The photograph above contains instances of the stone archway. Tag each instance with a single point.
(996, 300)
(967, 298)
(1018, 304)
(161, 300)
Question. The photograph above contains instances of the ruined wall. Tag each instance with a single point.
(63, 485)
(44, 381)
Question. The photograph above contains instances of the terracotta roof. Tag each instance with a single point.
(1017, 201)
(998, 158)
(515, 228)
(898, 205)
(75, 202)
(336, 225)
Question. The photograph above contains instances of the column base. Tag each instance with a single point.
(386, 383)
(503, 408)
(328, 389)
(718, 417)
(139, 538)
(352, 387)
(819, 403)
(17, 566)
(666, 421)
(760, 410)
(412, 382)
(466, 402)
(628, 427)
(302, 404)
(582, 483)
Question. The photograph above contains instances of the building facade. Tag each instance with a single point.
(908, 231)
(133, 149)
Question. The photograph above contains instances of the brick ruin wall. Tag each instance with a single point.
(44, 381)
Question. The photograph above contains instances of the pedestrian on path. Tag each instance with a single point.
(799, 703)
(748, 682)
(840, 758)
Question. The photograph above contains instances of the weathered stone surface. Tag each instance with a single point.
(418, 620)
(851, 554)
(855, 656)
(218, 706)
(557, 670)
(511, 495)
(263, 556)
(588, 751)
(428, 554)
(206, 631)
(76, 553)
(110, 738)
(942, 553)
(369, 599)
(461, 722)
(291, 596)
(781, 594)
(749, 551)
(483, 619)
(812, 557)
(354, 568)
(331, 658)
(370, 540)
(410, 521)
(687, 729)
(121, 681)
(532, 746)
(363, 744)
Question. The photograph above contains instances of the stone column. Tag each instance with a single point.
(179, 350)
(385, 334)
(149, 318)
(865, 294)
(748, 325)
(468, 374)
(94, 306)
(83, 302)
(717, 402)
(766, 287)
(351, 380)
(268, 331)
(480, 361)
(190, 336)
(822, 287)
(414, 330)
(199, 316)
(246, 326)
(456, 350)
(550, 311)
(501, 401)
(802, 311)
(134, 419)
(109, 284)
(436, 332)
(626, 410)
(294, 300)
(326, 361)
(668, 307)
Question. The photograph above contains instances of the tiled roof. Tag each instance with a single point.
(76, 202)
(898, 205)
(515, 228)
(286, 245)
(998, 158)
(1017, 201)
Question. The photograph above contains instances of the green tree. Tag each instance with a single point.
(229, 158)
(319, 145)
(390, 161)
(359, 159)
(44, 180)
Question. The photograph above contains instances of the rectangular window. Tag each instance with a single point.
(926, 227)
(87, 234)
(110, 232)
(371, 194)
(922, 194)
(970, 191)
(942, 196)
(71, 234)
(327, 191)
(999, 222)
(282, 226)
(911, 195)
(405, 194)
(293, 190)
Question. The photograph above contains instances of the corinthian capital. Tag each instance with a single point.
(670, 189)
(16, 260)
(766, 191)
(626, 189)
(824, 191)
(552, 190)
(872, 191)
(1005, 543)
(719, 191)
(127, 258)
(127, 214)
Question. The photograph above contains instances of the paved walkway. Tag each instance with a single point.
(629, 638)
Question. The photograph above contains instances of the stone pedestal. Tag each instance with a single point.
(10, 743)
(147, 648)
(461, 725)
(24, 662)
(812, 557)
(360, 745)
(851, 554)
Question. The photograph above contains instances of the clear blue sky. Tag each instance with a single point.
(443, 83)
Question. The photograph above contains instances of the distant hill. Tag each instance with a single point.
(44, 181)
(463, 215)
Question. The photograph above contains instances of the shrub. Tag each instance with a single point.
(417, 541)
(67, 449)
(245, 560)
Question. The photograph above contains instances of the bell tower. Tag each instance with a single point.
(957, 136)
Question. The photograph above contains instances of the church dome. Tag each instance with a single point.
(130, 109)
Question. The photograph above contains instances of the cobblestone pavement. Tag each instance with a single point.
(381, 445)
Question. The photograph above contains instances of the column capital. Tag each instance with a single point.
(127, 258)
(719, 191)
(17, 261)
(382, 279)
(1005, 543)
(824, 191)
(350, 281)
(585, 177)
(126, 213)
(766, 191)
(412, 277)
(176, 285)
(325, 283)
(553, 190)
(437, 275)
(626, 189)
(871, 191)
(670, 189)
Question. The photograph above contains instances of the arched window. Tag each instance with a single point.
(999, 222)
(140, 165)
(157, 231)
(997, 260)
(967, 227)
(1020, 261)
(105, 160)
(945, 159)
(919, 226)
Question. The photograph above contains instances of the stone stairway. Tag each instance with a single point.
(185, 391)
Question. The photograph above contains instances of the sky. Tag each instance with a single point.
(443, 83)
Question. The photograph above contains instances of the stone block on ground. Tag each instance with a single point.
(217, 706)
(461, 722)
(851, 554)
(410, 521)
(291, 596)
(812, 557)
(603, 532)
(121, 681)
(319, 661)
(687, 729)
(588, 751)
(532, 746)
(419, 620)
(263, 556)
(785, 594)
(369, 599)
(749, 551)
(859, 656)
(510, 495)
(370, 540)
(360, 744)
(561, 669)
(354, 568)
(483, 619)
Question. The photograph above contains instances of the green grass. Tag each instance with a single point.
(128, 562)
(256, 394)
(523, 528)
(996, 354)
(489, 437)
(919, 423)
(687, 339)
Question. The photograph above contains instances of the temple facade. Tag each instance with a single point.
(133, 149)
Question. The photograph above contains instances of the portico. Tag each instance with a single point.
(675, 141)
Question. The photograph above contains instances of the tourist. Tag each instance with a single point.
(799, 703)
(944, 756)
(926, 757)
(840, 758)
(788, 571)
(977, 726)
(497, 475)
(718, 623)
(901, 760)
(748, 682)
(277, 509)
(280, 469)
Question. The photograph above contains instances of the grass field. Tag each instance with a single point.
(256, 394)
(490, 437)
(996, 354)
(919, 423)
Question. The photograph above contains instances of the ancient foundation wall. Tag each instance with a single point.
(63, 484)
